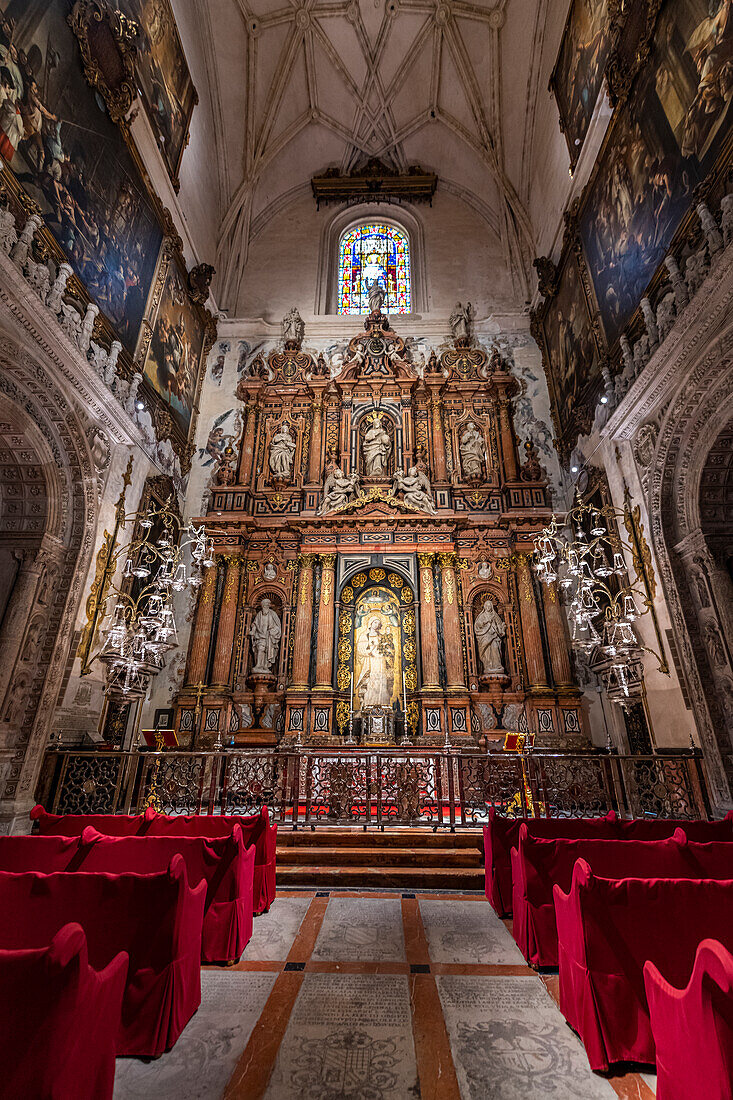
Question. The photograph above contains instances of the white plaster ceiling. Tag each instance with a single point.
(298, 86)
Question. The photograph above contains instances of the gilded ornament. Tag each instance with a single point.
(406, 595)
(377, 574)
(347, 594)
(359, 580)
(342, 715)
(395, 580)
(411, 679)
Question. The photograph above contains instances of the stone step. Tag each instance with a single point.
(387, 856)
(331, 836)
(402, 878)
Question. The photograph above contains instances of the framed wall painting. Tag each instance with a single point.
(569, 341)
(665, 140)
(172, 351)
(581, 63)
(58, 142)
(166, 88)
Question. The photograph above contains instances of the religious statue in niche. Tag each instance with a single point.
(338, 489)
(265, 635)
(490, 630)
(377, 653)
(416, 489)
(461, 321)
(293, 328)
(375, 290)
(377, 448)
(282, 451)
(473, 452)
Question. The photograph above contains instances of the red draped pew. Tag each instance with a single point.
(693, 1027)
(502, 834)
(224, 864)
(608, 930)
(60, 1018)
(156, 919)
(257, 831)
(540, 865)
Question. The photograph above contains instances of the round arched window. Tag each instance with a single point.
(374, 251)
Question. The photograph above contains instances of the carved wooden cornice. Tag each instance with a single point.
(374, 180)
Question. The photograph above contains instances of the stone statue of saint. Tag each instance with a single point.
(490, 629)
(373, 685)
(293, 327)
(472, 452)
(416, 488)
(338, 489)
(377, 449)
(265, 635)
(461, 320)
(375, 290)
(282, 450)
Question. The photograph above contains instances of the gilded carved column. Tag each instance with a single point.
(248, 445)
(440, 470)
(226, 626)
(324, 656)
(451, 624)
(558, 642)
(508, 446)
(303, 622)
(428, 624)
(18, 613)
(202, 627)
(314, 458)
(530, 625)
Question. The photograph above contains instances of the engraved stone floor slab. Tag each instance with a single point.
(274, 932)
(467, 932)
(205, 1056)
(363, 929)
(509, 1042)
(350, 1036)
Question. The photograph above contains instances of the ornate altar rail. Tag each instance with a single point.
(382, 787)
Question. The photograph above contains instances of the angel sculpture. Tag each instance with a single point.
(416, 488)
(339, 489)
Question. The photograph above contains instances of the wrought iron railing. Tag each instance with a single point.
(375, 788)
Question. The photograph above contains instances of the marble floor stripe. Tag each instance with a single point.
(435, 1068)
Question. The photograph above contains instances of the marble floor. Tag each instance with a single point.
(347, 995)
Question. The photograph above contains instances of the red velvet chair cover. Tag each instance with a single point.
(156, 919)
(257, 831)
(59, 1020)
(223, 863)
(693, 1027)
(608, 930)
(538, 865)
(502, 834)
(75, 824)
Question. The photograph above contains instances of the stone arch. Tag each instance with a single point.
(699, 412)
(31, 399)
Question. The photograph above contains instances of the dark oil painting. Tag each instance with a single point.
(173, 358)
(661, 145)
(165, 82)
(571, 348)
(58, 140)
(581, 63)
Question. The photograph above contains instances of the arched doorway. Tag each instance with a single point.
(48, 507)
(689, 492)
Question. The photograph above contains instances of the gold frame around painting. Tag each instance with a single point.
(170, 250)
(572, 414)
(712, 184)
(146, 55)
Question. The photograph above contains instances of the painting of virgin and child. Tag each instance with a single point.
(57, 139)
(662, 144)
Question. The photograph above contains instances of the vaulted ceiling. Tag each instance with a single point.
(301, 86)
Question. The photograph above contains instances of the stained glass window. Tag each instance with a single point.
(374, 251)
